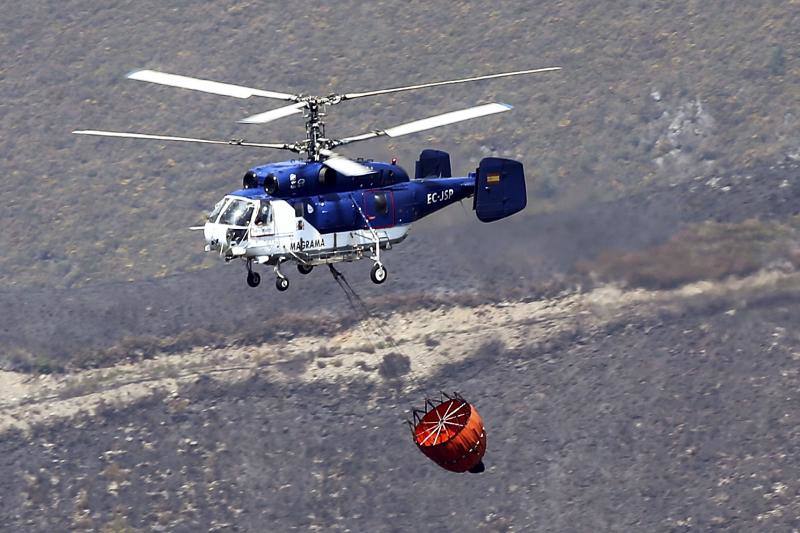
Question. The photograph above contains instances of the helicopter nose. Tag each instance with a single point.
(214, 235)
(207, 233)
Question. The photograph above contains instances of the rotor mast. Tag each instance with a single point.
(315, 128)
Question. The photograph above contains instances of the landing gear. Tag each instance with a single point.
(378, 273)
(304, 269)
(253, 279)
(281, 283)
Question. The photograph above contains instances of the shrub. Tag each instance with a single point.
(394, 365)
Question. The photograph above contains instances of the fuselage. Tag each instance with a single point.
(314, 215)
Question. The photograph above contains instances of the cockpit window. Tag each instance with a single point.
(212, 216)
(264, 216)
(238, 213)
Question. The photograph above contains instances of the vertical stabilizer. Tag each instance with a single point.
(499, 189)
(433, 164)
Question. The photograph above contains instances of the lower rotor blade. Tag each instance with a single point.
(273, 114)
(232, 142)
(447, 118)
(343, 165)
(430, 122)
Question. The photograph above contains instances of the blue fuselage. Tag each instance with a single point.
(385, 198)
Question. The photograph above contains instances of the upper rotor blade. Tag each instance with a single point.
(343, 165)
(213, 87)
(350, 96)
(233, 142)
(273, 114)
(431, 122)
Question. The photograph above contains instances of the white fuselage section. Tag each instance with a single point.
(270, 232)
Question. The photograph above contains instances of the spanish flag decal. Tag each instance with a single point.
(493, 179)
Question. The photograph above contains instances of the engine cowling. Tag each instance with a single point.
(298, 178)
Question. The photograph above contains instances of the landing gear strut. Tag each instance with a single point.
(378, 273)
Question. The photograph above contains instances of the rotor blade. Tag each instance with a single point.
(273, 114)
(213, 87)
(350, 96)
(447, 118)
(431, 122)
(233, 142)
(343, 165)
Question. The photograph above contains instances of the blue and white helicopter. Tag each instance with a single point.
(326, 208)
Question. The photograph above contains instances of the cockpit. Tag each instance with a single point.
(233, 212)
(239, 212)
(233, 219)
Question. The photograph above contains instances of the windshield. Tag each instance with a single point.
(212, 216)
(238, 213)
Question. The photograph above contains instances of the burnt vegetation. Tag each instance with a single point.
(219, 456)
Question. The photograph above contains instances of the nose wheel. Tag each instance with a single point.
(253, 279)
(378, 273)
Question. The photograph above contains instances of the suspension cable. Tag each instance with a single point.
(364, 315)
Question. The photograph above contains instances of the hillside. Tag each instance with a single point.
(610, 409)
(629, 339)
(655, 92)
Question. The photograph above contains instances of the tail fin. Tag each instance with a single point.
(499, 189)
(433, 164)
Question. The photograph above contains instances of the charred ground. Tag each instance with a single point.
(673, 421)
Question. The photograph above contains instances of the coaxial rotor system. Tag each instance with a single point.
(316, 145)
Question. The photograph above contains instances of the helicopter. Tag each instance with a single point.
(326, 208)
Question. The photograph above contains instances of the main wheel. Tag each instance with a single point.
(253, 278)
(378, 273)
(282, 284)
(304, 269)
